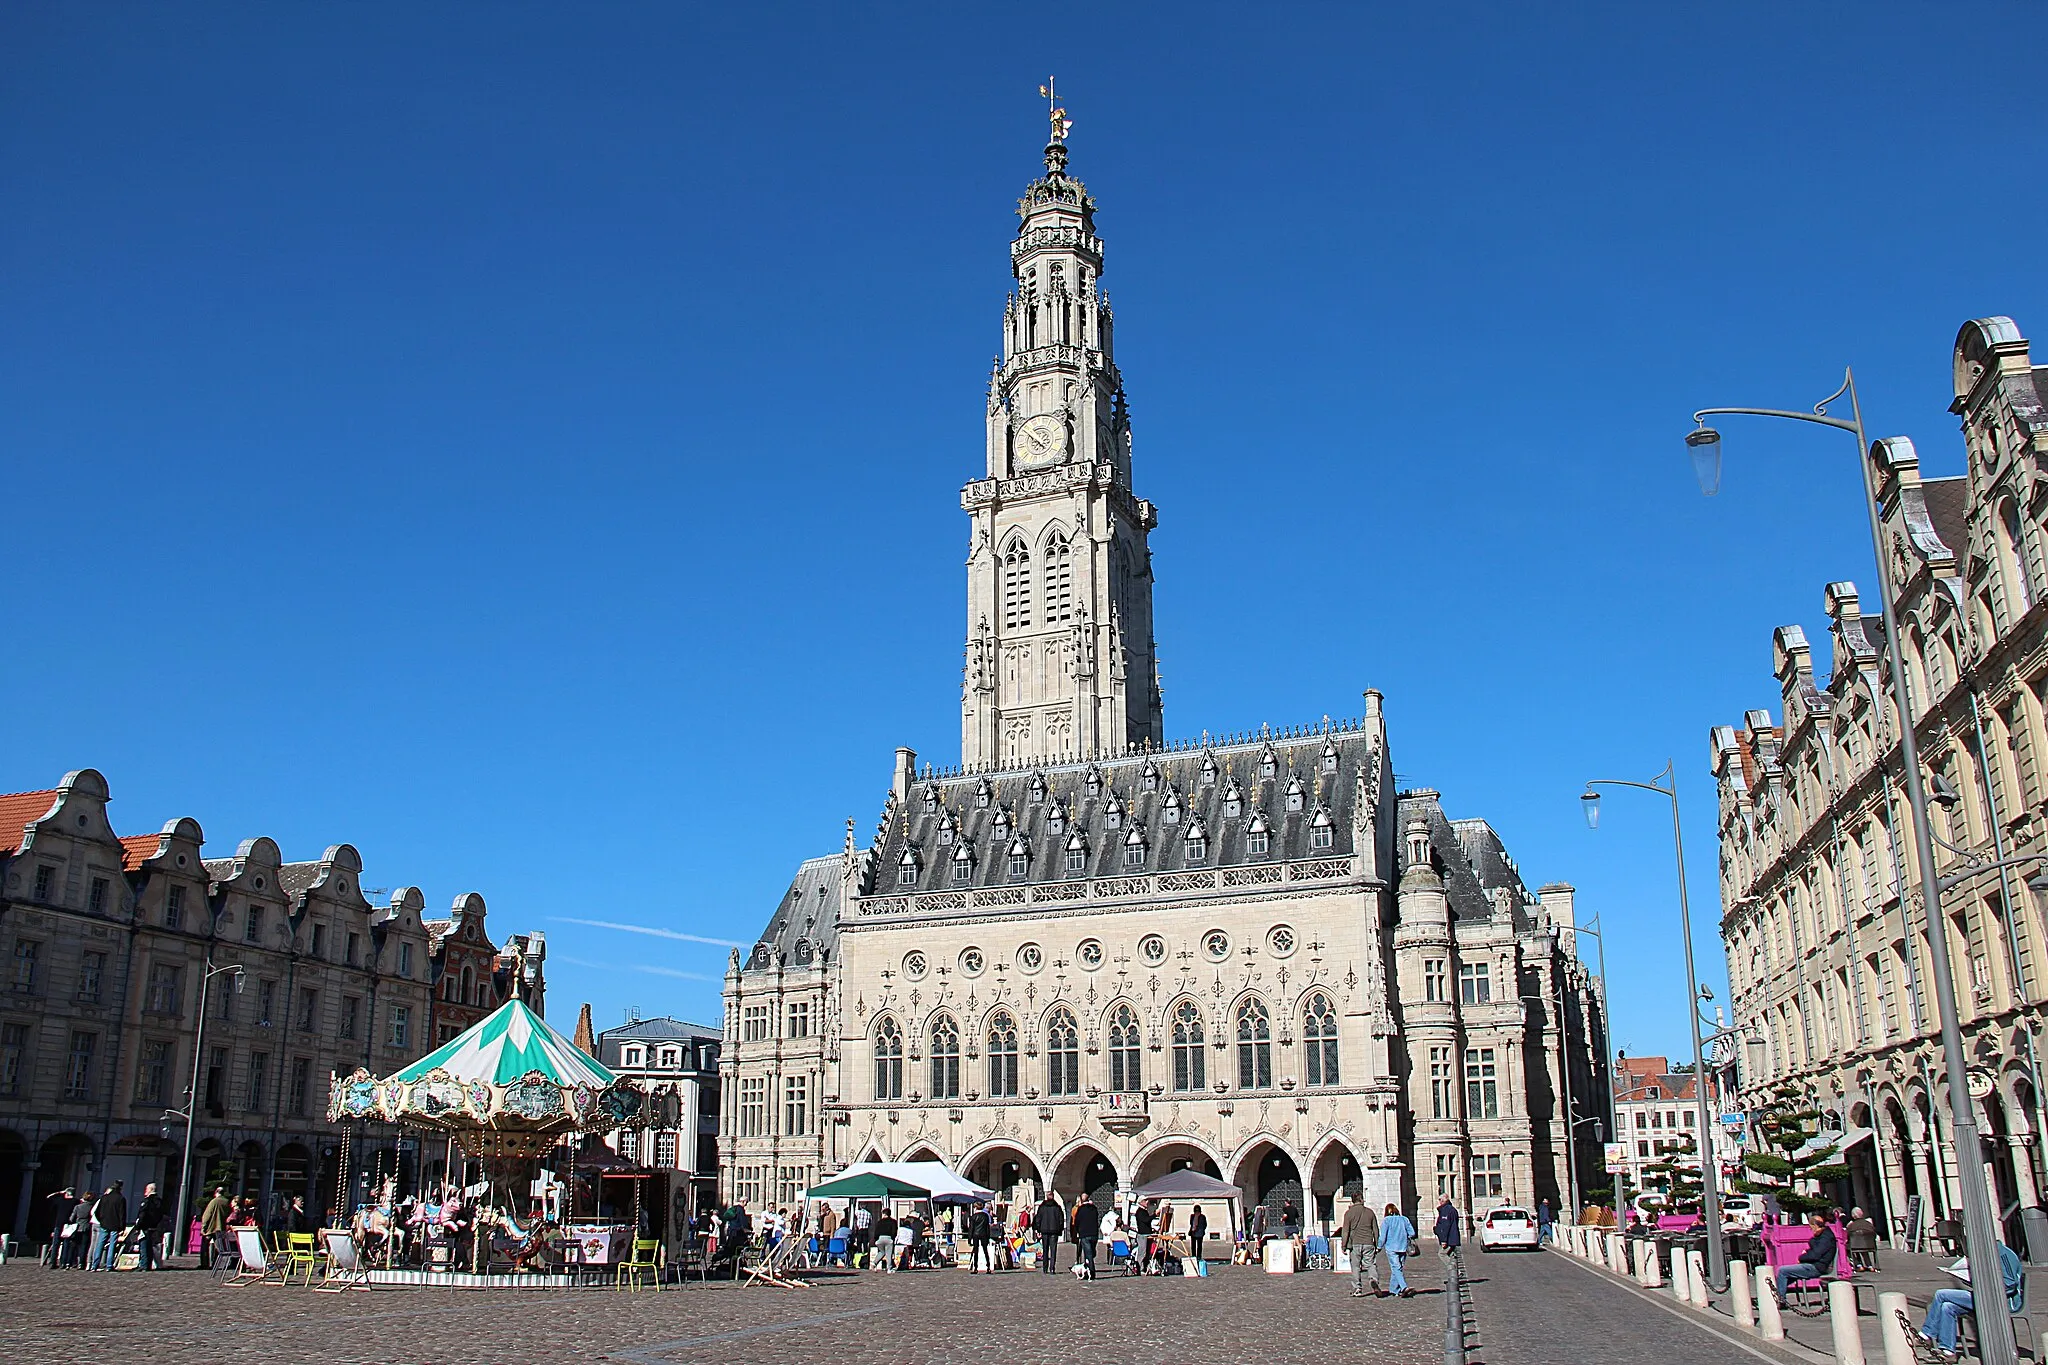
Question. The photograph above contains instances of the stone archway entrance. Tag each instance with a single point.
(1272, 1182)
(1173, 1156)
(1334, 1180)
(1086, 1172)
(1010, 1172)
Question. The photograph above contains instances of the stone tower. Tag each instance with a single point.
(1060, 657)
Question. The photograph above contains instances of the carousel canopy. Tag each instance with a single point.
(505, 1047)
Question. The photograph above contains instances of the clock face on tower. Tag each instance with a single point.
(1041, 441)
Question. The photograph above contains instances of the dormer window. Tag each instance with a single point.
(1169, 809)
(1297, 795)
(1330, 756)
(1113, 813)
(1259, 836)
(1134, 848)
(1151, 776)
(1233, 801)
(1077, 853)
(1094, 782)
(1037, 788)
(1056, 818)
(948, 827)
(984, 793)
(1020, 858)
(906, 869)
(931, 797)
(963, 865)
(1269, 765)
(671, 1058)
(1197, 842)
(1208, 770)
(1322, 831)
(1002, 824)
(632, 1057)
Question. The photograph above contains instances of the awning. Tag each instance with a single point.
(1842, 1140)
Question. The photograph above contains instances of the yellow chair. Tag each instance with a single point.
(301, 1253)
(645, 1260)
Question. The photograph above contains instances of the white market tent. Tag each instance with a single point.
(946, 1186)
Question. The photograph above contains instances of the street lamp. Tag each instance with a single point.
(1666, 786)
(206, 976)
(1980, 1233)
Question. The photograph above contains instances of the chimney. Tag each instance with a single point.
(585, 1039)
(906, 772)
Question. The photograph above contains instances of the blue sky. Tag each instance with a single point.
(525, 441)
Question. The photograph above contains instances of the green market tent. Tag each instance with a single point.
(869, 1185)
(508, 1086)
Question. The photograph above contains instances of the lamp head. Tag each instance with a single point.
(1589, 802)
(1705, 445)
(2038, 883)
(240, 977)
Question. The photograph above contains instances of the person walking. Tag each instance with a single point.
(213, 1228)
(1049, 1223)
(1198, 1233)
(981, 1258)
(149, 1222)
(1086, 1226)
(1448, 1225)
(1360, 1235)
(1397, 1239)
(1545, 1221)
(109, 1217)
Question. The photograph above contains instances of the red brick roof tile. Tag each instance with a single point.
(136, 848)
(18, 810)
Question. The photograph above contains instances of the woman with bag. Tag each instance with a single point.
(1397, 1240)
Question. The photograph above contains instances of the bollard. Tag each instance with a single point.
(1617, 1258)
(1641, 1249)
(1653, 1268)
(1679, 1266)
(1842, 1317)
(1696, 1279)
(1768, 1324)
(1739, 1295)
(1891, 1327)
(1454, 1309)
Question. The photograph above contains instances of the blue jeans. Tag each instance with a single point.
(1799, 1270)
(1948, 1306)
(104, 1242)
(1397, 1271)
(145, 1248)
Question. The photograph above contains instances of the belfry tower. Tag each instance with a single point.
(1060, 657)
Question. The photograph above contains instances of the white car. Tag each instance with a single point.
(1507, 1227)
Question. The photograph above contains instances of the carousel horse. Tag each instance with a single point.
(520, 1246)
(378, 1233)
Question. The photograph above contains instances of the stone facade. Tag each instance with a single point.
(471, 976)
(668, 1057)
(1827, 944)
(1089, 955)
(107, 938)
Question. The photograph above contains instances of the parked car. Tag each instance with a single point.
(1507, 1227)
(1738, 1213)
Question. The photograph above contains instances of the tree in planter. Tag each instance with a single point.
(1675, 1176)
(1793, 1166)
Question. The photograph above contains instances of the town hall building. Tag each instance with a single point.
(1091, 954)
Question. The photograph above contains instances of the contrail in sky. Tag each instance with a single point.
(649, 930)
(639, 967)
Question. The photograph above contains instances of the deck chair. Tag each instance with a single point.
(643, 1262)
(255, 1263)
(343, 1266)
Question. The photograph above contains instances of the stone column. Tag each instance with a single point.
(29, 1166)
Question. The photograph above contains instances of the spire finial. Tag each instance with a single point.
(1056, 145)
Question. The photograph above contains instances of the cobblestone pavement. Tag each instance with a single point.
(172, 1317)
(1545, 1309)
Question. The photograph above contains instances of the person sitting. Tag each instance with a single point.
(1944, 1314)
(1817, 1262)
(1861, 1230)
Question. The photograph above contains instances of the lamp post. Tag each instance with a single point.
(1666, 786)
(1980, 1233)
(206, 976)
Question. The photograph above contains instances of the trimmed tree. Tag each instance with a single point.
(1674, 1180)
(1794, 1163)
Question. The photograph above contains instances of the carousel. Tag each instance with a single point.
(510, 1096)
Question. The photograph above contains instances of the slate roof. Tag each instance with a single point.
(1291, 781)
(294, 878)
(1469, 855)
(661, 1029)
(18, 810)
(220, 869)
(806, 923)
(1948, 506)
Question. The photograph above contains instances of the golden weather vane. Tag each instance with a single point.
(1061, 124)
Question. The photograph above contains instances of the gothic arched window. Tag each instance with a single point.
(1002, 1057)
(1016, 586)
(1190, 1063)
(1319, 1036)
(1062, 1054)
(1124, 1073)
(1059, 581)
(945, 1059)
(1254, 1046)
(888, 1060)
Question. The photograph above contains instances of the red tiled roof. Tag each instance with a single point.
(135, 848)
(17, 811)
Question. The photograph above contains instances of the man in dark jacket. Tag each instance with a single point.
(1817, 1262)
(1198, 1232)
(1142, 1220)
(109, 1216)
(1087, 1225)
(1448, 1225)
(149, 1222)
(978, 1232)
(1049, 1223)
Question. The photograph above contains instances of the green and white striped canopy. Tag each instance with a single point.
(508, 1045)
